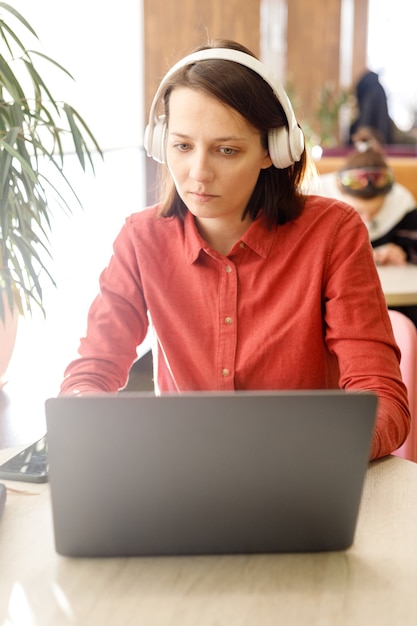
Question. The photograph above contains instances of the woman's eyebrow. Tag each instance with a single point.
(225, 138)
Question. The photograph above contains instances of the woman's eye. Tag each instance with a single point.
(228, 151)
(182, 147)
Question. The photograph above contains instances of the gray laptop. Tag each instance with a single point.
(207, 473)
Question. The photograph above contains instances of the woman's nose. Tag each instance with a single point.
(200, 167)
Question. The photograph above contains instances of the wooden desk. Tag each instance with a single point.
(399, 283)
(373, 582)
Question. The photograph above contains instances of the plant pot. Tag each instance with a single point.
(8, 331)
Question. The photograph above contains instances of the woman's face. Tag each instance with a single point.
(214, 155)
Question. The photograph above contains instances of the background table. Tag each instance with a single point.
(399, 284)
(373, 582)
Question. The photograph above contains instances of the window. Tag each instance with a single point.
(392, 51)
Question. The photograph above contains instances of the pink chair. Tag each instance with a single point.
(405, 334)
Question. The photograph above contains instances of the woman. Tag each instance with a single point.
(245, 282)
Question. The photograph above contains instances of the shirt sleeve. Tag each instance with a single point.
(359, 333)
(117, 323)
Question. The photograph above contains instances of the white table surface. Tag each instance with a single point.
(374, 582)
(399, 283)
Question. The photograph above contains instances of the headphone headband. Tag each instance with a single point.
(285, 146)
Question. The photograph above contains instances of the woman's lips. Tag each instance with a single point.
(202, 197)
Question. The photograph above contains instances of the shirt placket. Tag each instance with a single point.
(227, 326)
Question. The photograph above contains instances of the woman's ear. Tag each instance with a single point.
(267, 162)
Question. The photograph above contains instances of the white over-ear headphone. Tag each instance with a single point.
(285, 145)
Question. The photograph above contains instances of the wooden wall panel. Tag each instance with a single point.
(173, 28)
(360, 44)
(313, 49)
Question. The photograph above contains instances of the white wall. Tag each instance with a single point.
(100, 43)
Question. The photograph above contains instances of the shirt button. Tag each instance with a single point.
(242, 244)
(225, 371)
(228, 320)
(228, 269)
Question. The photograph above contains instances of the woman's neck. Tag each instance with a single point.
(220, 234)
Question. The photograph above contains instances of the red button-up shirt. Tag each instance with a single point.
(296, 307)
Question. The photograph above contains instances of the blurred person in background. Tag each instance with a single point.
(372, 113)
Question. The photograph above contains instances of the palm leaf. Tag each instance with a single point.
(33, 125)
(52, 61)
(19, 16)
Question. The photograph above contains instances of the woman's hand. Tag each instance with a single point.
(390, 254)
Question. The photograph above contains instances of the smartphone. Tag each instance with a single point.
(30, 465)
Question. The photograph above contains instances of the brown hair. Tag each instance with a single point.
(365, 158)
(277, 191)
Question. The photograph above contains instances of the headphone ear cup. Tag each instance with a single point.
(155, 147)
(279, 147)
(285, 149)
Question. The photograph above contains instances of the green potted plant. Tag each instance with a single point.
(34, 128)
(330, 102)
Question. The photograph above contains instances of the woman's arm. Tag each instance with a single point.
(117, 324)
(359, 333)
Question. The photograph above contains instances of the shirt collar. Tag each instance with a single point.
(258, 238)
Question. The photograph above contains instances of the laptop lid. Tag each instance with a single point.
(200, 473)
